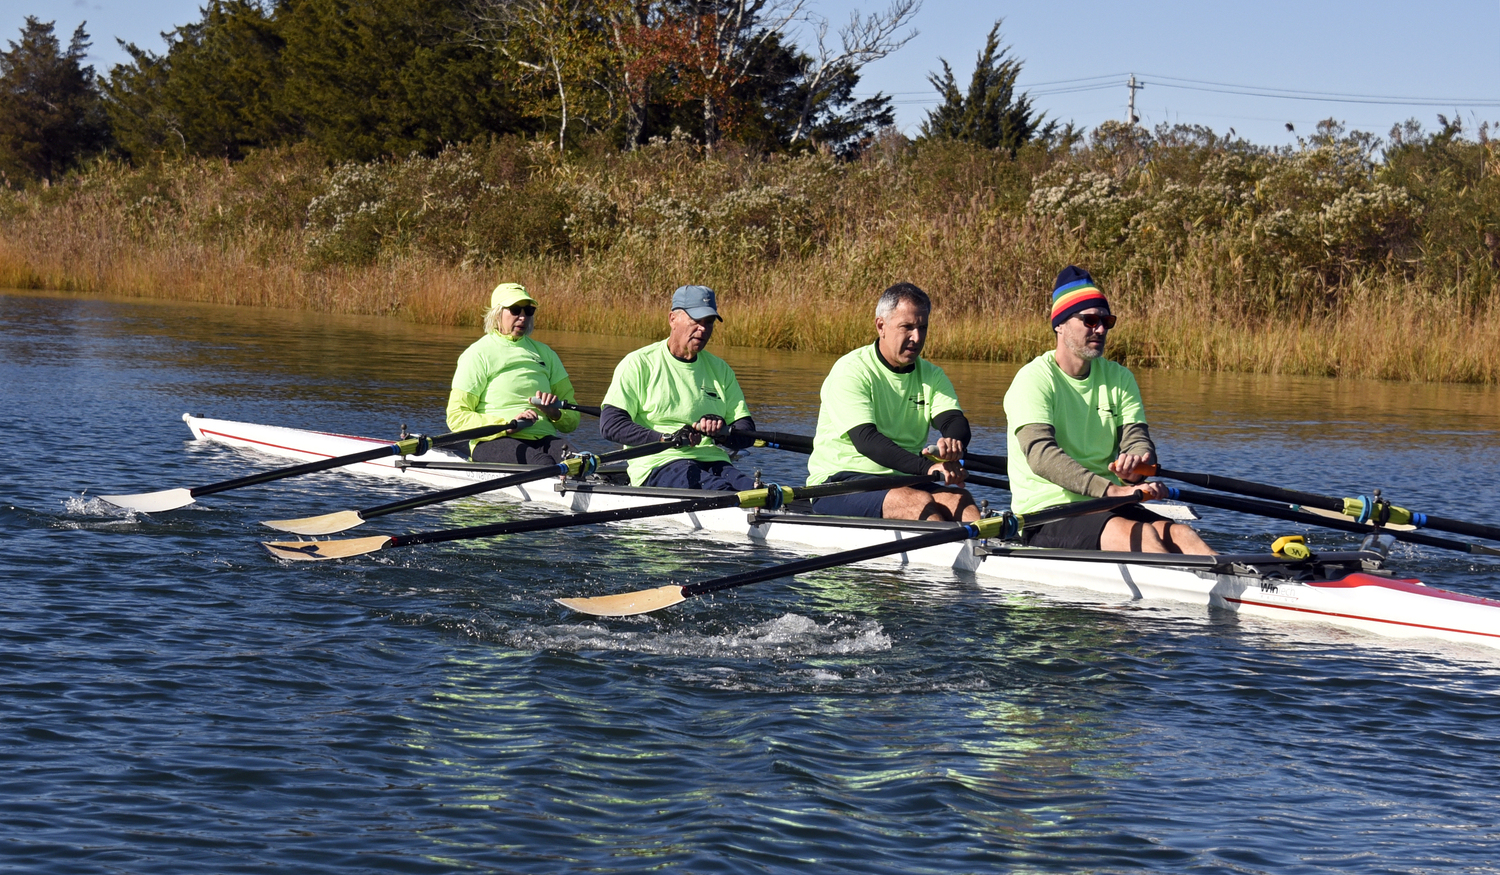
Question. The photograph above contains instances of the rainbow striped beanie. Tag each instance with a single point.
(1075, 290)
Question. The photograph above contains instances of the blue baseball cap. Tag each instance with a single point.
(697, 301)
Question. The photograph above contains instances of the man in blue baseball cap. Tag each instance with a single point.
(674, 388)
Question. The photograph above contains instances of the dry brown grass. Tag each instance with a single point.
(988, 268)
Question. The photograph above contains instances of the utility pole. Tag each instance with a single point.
(1131, 118)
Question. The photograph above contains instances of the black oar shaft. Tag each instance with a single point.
(847, 557)
(687, 505)
(515, 479)
(580, 408)
(1326, 502)
(774, 439)
(1460, 527)
(1280, 512)
(1245, 487)
(960, 532)
(992, 482)
(711, 501)
(414, 446)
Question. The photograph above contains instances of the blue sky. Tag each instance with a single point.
(1447, 52)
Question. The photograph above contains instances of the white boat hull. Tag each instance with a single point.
(1360, 600)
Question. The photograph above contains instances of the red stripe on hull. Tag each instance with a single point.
(1412, 587)
(235, 437)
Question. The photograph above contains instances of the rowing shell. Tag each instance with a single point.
(1350, 589)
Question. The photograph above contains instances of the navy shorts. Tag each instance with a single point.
(515, 451)
(1082, 532)
(693, 474)
(866, 504)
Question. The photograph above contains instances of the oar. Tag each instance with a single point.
(984, 464)
(771, 497)
(776, 440)
(1291, 514)
(568, 405)
(169, 499)
(1362, 509)
(332, 523)
(645, 601)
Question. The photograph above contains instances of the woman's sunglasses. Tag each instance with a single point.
(531, 311)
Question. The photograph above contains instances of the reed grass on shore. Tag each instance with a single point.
(797, 248)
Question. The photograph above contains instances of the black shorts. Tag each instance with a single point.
(865, 504)
(515, 451)
(1082, 532)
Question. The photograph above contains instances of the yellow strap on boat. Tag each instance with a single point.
(1291, 546)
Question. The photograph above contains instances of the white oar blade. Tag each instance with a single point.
(627, 604)
(1179, 512)
(327, 524)
(311, 551)
(152, 502)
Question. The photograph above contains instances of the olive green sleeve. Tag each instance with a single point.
(1038, 441)
(1135, 437)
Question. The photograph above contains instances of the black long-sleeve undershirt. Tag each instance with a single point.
(878, 448)
(616, 426)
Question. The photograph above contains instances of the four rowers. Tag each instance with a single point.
(1076, 424)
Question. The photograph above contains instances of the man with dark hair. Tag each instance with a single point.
(676, 389)
(1076, 429)
(879, 402)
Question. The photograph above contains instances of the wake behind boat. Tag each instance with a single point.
(1351, 589)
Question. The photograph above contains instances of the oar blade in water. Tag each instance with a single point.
(326, 524)
(627, 604)
(312, 551)
(152, 502)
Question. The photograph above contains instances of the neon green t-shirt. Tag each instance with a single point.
(495, 380)
(861, 389)
(1086, 415)
(664, 393)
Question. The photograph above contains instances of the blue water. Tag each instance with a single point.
(175, 700)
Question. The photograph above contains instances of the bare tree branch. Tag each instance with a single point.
(863, 40)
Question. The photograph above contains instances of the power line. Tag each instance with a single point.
(1325, 96)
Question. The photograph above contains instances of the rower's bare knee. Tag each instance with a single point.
(1121, 534)
(1183, 539)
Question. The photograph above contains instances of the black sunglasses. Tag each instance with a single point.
(1092, 320)
(518, 310)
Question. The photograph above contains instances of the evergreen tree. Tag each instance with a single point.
(216, 91)
(991, 114)
(50, 113)
(380, 77)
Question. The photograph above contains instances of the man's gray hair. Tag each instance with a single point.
(902, 293)
(492, 322)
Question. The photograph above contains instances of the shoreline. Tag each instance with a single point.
(1371, 339)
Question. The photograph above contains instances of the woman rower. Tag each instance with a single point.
(506, 375)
